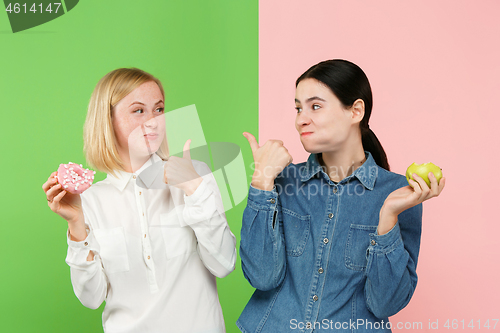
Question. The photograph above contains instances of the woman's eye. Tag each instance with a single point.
(298, 109)
(160, 110)
(316, 106)
(138, 111)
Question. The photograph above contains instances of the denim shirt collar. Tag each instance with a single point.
(366, 173)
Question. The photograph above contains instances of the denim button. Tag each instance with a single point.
(315, 298)
(334, 190)
(320, 271)
(330, 215)
(373, 242)
(273, 201)
(325, 240)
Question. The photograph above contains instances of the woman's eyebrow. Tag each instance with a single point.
(310, 99)
(137, 102)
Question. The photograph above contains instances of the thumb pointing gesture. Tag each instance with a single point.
(180, 172)
(252, 141)
(269, 160)
(186, 152)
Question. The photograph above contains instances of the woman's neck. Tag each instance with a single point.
(341, 164)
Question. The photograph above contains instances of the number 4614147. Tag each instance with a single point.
(473, 324)
(18, 8)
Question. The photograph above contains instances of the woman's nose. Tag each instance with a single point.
(152, 122)
(303, 119)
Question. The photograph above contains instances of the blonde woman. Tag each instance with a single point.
(151, 252)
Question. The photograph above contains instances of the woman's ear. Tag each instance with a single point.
(358, 110)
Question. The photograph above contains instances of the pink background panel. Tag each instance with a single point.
(434, 71)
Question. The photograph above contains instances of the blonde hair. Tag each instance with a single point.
(98, 133)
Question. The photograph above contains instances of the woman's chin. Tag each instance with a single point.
(153, 148)
(142, 152)
(310, 149)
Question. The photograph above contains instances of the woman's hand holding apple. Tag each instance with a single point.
(269, 159)
(407, 197)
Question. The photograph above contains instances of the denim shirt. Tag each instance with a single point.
(310, 248)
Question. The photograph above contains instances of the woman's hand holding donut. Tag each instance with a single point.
(407, 197)
(269, 159)
(66, 205)
(180, 172)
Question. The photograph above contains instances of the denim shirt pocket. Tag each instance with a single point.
(358, 241)
(297, 229)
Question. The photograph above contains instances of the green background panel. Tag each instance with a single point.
(205, 53)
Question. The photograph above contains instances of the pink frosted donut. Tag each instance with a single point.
(74, 178)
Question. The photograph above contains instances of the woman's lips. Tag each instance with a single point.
(306, 133)
(151, 136)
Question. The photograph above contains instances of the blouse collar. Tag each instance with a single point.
(145, 176)
(366, 173)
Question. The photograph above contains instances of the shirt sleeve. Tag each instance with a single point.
(262, 246)
(204, 213)
(392, 262)
(87, 277)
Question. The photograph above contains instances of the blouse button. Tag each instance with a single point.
(330, 215)
(325, 240)
(134, 176)
(315, 298)
(320, 271)
(149, 257)
(273, 201)
(334, 190)
(86, 244)
(373, 242)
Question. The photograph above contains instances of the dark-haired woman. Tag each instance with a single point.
(332, 243)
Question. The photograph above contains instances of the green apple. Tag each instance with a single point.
(422, 170)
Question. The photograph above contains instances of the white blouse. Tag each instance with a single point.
(156, 252)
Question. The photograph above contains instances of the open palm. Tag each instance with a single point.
(409, 196)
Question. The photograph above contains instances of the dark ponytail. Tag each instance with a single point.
(348, 82)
